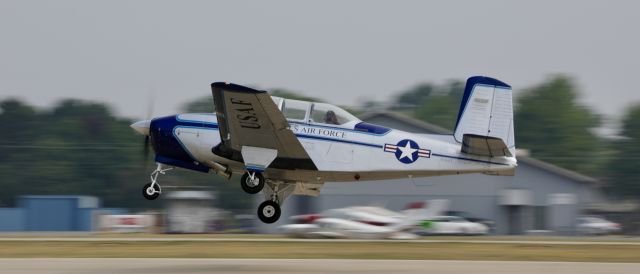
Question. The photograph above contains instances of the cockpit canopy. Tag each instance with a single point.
(319, 113)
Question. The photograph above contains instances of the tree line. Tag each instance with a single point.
(81, 148)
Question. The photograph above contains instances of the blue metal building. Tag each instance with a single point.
(57, 213)
(53, 213)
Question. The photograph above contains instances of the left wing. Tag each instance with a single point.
(251, 123)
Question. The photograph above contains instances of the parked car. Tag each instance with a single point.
(471, 218)
(451, 225)
(591, 225)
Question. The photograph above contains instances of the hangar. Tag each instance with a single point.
(541, 197)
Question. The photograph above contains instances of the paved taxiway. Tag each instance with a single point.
(204, 239)
(265, 266)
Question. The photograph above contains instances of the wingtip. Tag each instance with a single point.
(235, 87)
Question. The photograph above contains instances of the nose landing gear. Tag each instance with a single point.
(152, 191)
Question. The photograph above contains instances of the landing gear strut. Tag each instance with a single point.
(275, 193)
(252, 182)
(152, 190)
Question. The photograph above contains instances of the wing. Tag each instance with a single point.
(249, 121)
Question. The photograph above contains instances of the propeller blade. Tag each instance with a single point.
(145, 151)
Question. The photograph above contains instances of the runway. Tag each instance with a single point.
(265, 266)
(208, 239)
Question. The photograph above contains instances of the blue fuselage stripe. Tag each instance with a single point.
(337, 140)
(210, 125)
(339, 128)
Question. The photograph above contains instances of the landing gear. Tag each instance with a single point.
(252, 182)
(152, 191)
(269, 212)
(275, 193)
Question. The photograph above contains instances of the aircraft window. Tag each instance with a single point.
(330, 114)
(294, 109)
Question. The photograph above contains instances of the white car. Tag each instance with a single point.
(597, 226)
(451, 225)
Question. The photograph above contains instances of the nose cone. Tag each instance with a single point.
(142, 127)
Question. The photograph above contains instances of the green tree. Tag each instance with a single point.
(555, 128)
(76, 147)
(439, 105)
(202, 105)
(20, 124)
(414, 96)
(624, 168)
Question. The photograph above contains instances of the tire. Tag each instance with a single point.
(269, 212)
(252, 187)
(149, 196)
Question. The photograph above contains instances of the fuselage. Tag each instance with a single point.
(349, 152)
(285, 146)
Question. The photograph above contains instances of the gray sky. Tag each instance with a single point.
(341, 51)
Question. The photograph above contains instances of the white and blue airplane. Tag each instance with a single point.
(284, 146)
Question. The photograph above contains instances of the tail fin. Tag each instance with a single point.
(485, 120)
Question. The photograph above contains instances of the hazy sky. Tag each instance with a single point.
(341, 51)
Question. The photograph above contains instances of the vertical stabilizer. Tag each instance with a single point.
(486, 113)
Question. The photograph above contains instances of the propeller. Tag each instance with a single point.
(145, 149)
(142, 127)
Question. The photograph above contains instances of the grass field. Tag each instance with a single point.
(346, 250)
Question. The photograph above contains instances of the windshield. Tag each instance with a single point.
(294, 109)
(329, 114)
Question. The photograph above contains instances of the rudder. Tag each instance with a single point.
(486, 111)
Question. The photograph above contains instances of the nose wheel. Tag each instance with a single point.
(252, 182)
(152, 191)
(269, 212)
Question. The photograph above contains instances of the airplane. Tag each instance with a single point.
(336, 228)
(378, 216)
(363, 222)
(283, 146)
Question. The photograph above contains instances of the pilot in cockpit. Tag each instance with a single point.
(330, 118)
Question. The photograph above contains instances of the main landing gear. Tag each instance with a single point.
(252, 182)
(152, 191)
(269, 212)
(275, 193)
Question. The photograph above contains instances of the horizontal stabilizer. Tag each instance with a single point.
(484, 146)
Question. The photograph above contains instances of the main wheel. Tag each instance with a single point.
(151, 193)
(252, 186)
(269, 212)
